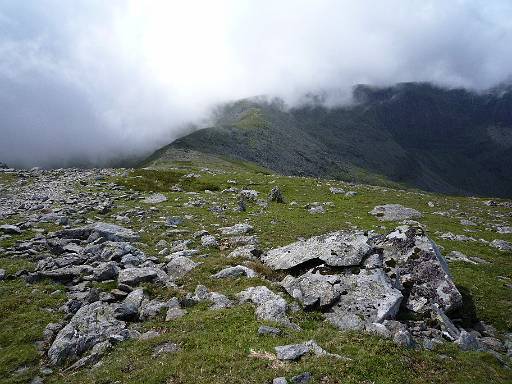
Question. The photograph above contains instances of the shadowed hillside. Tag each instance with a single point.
(416, 134)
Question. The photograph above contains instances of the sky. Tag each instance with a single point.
(93, 80)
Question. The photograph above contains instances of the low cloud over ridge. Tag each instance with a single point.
(89, 80)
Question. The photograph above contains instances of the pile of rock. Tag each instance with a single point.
(100, 252)
(362, 281)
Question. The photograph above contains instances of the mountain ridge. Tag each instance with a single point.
(441, 140)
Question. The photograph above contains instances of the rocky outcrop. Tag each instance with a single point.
(360, 281)
(91, 325)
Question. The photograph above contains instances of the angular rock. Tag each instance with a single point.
(269, 305)
(450, 331)
(249, 194)
(336, 191)
(415, 262)
(106, 271)
(165, 349)
(114, 232)
(266, 330)
(179, 267)
(151, 308)
(276, 195)
(394, 212)
(134, 276)
(66, 274)
(175, 311)
(295, 351)
(219, 301)
(251, 252)
(403, 339)
(291, 352)
(90, 325)
(209, 241)
(303, 378)
(236, 271)
(467, 342)
(502, 245)
(367, 297)
(337, 249)
(313, 289)
(237, 229)
(155, 199)
(317, 209)
(9, 229)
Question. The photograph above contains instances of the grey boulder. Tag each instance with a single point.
(10, 229)
(179, 267)
(134, 276)
(235, 271)
(237, 229)
(90, 325)
(269, 305)
(155, 198)
(394, 212)
(313, 289)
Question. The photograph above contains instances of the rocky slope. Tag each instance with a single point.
(228, 274)
(450, 141)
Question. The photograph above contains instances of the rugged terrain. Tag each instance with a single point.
(202, 270)
(416, 134)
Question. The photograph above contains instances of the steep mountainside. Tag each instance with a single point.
(450, 141)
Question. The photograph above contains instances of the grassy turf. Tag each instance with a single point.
(216, 345)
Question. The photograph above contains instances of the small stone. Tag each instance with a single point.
(467, 342)
(266, 330)
(318, 209)
(209, 241)
(502, 245)
(279, 380)
(175, 311)
(155, 198)
(303, 378)
(291, 352)
(165, 348)
(173, 221)
(179, 267)
(236, 271)
(237, 229)
(337, 191)
(403, 339)
(249, 194)
(276, 195)
(9, 229)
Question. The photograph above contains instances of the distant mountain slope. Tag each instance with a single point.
(450, 141)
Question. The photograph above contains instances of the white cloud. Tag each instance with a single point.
(87, 79)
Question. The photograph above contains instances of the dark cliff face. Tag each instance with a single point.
(443, 140)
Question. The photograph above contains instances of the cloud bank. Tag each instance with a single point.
(89, 80)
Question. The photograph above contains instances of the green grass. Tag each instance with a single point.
(216, 345)
(251, 119)
(24, 315)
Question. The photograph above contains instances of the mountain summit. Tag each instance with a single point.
(415, 134)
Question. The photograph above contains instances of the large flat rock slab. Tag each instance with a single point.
(334, 249)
